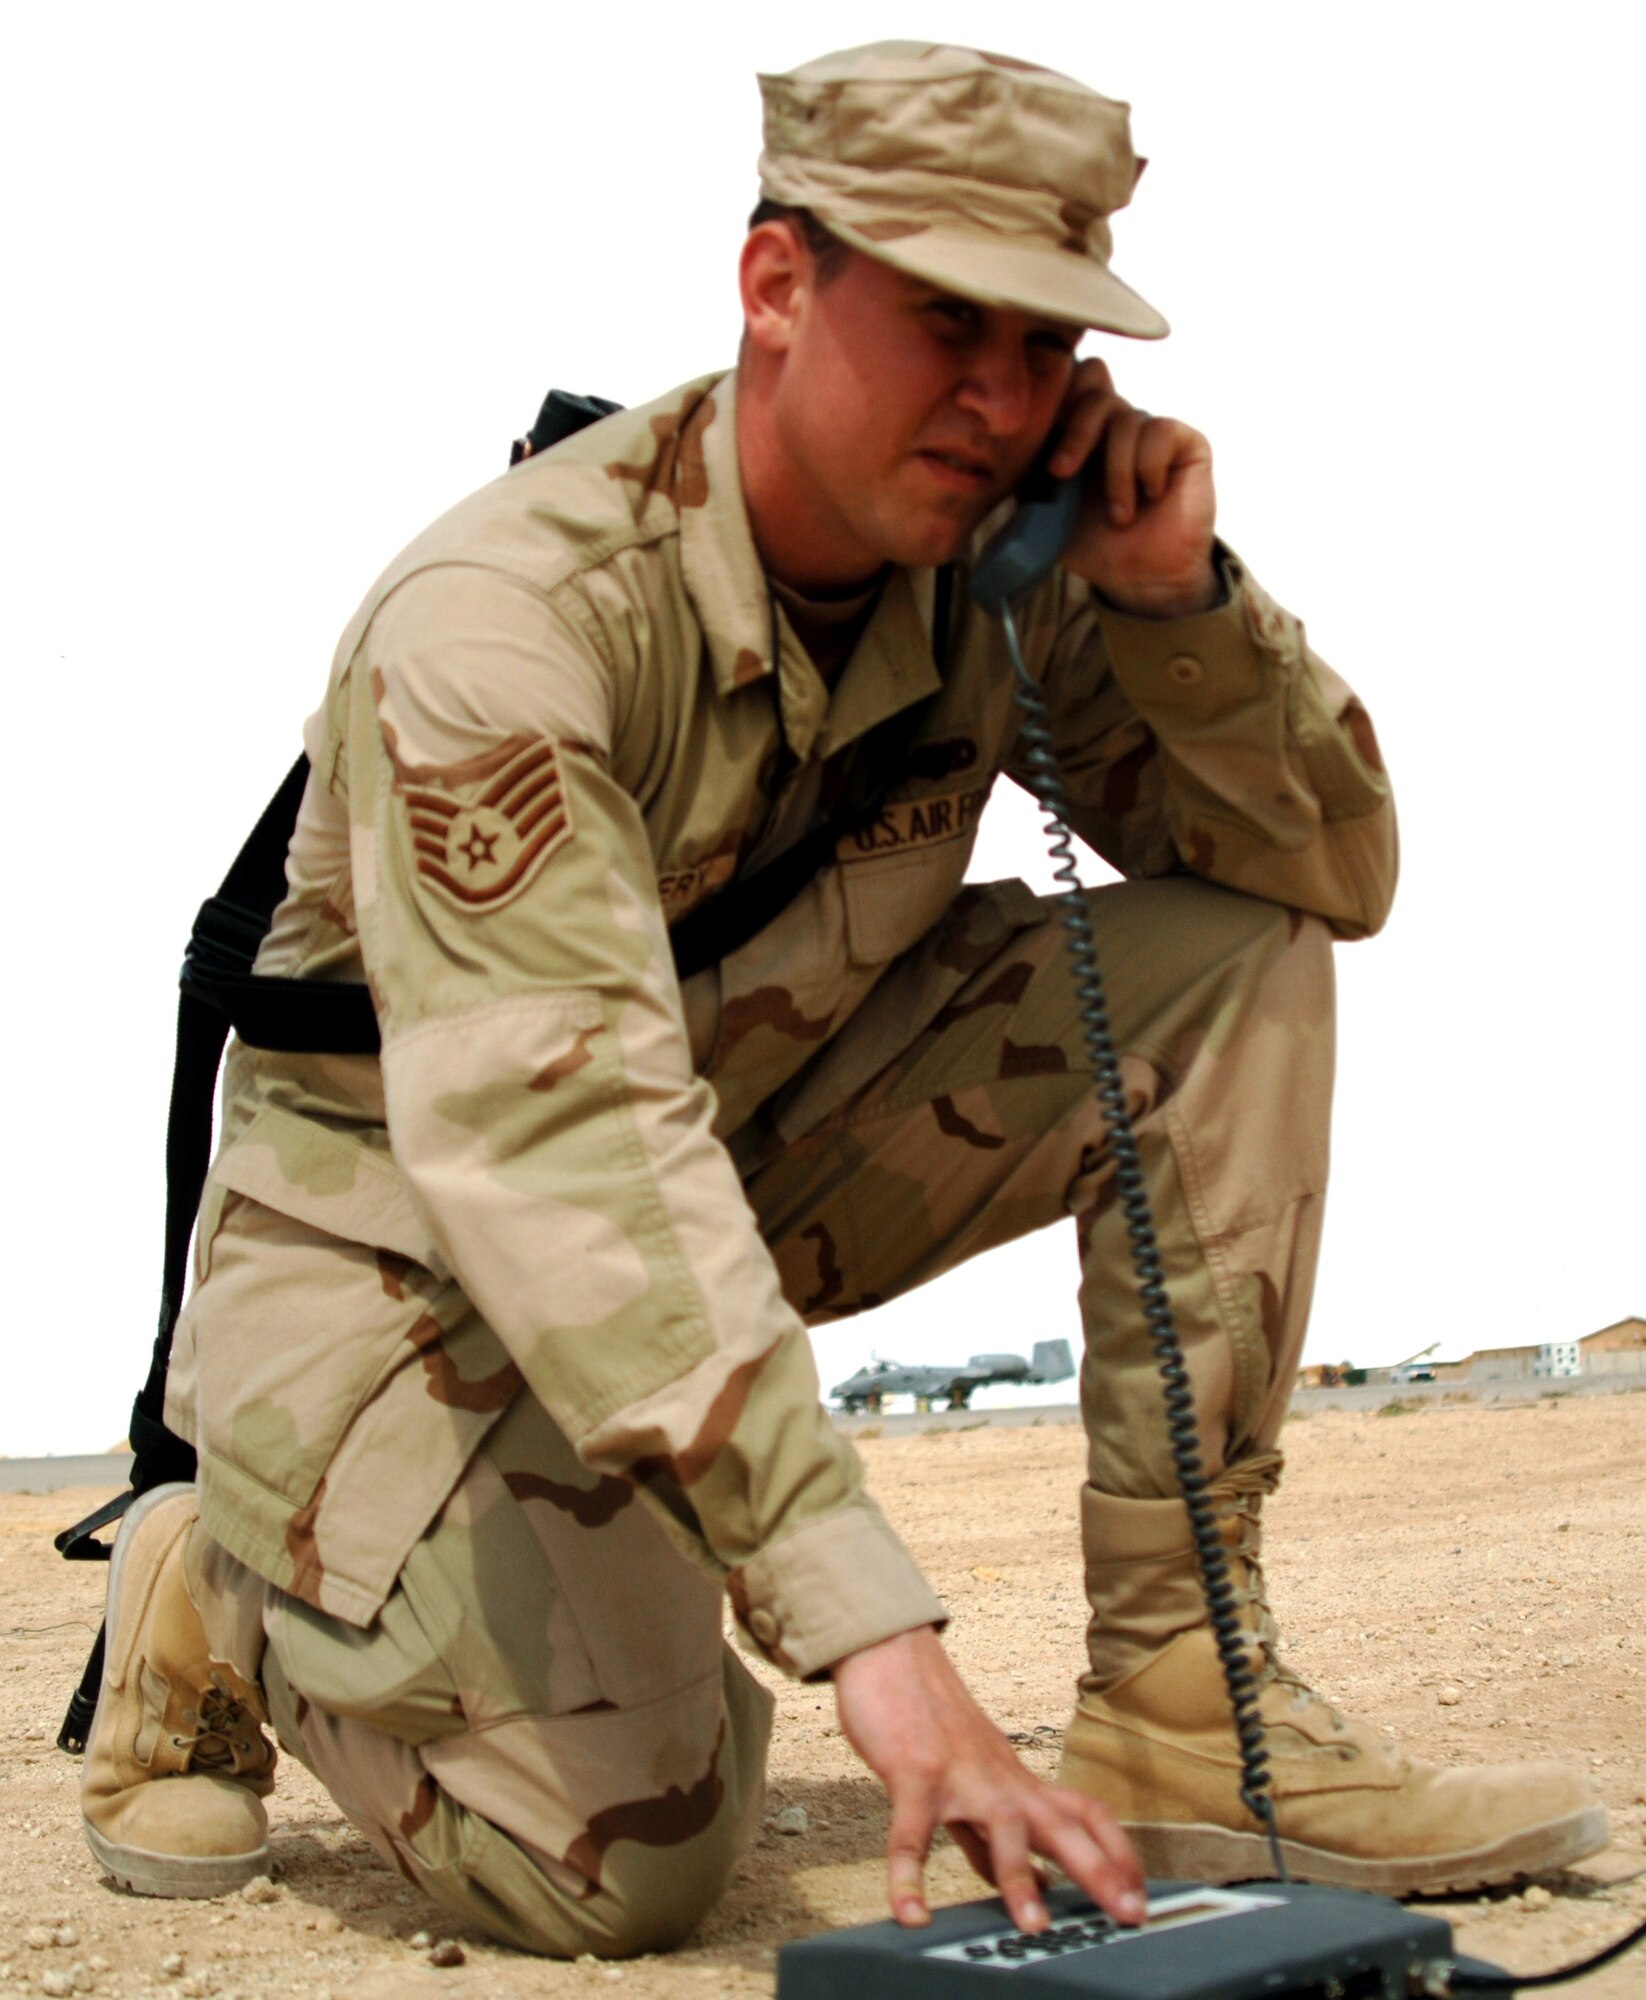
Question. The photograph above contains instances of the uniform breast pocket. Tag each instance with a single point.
(892, 900)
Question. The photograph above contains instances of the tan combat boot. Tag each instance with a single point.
(176, 1763)
(1152, 1736)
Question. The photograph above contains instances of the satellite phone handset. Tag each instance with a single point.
(1021, 554)
(1028, 546)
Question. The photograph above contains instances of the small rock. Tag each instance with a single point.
(1449, 1697)
(329, 1923)
(99, 1963)
(260, 1890)
(986, 1575)
(172, 1965)
(56, 1983)
(792, 1820)
(37, 1937)
(447, 1952)
(421, 1940)
(1536, 1897)
(81, 1977)
(65, 1934)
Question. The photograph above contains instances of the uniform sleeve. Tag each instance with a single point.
(1222, 744)
(542, 1105)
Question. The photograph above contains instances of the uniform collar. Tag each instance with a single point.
(722, 573)
(891, 665)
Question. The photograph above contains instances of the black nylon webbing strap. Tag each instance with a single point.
(243, 906)
(226, 935)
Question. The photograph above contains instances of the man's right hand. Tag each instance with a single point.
(906, 1712)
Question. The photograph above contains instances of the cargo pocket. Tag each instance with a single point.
(341, 1379)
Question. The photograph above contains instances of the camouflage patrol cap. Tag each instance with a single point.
(979, 173)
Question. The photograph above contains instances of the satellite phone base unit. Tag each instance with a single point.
(1257, 1941)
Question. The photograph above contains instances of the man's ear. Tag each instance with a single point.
(774, 277)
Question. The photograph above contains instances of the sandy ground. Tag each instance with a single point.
(1474, 1578)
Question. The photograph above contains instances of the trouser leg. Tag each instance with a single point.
(543, 1729)
(957, 1112)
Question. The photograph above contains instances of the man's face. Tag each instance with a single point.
(903, 414)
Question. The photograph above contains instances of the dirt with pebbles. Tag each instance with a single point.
(1474, 1578)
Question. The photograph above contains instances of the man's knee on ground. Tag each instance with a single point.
(635, 1875)
(613, 1901)
(653, 1898)
(609, 1894)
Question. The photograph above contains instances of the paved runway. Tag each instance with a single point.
(111, 1470)
(53, 1475)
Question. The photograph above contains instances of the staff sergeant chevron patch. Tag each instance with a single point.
(483, 828)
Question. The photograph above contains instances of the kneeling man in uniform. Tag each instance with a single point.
(496, 1361)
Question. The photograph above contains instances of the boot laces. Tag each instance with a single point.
(1239, 1492)
(225, 1735)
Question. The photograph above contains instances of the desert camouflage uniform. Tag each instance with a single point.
(497, 1364)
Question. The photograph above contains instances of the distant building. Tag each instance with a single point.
(1503, 1364)
(1619, 1349)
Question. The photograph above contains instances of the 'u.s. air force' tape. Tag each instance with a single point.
(903, 824)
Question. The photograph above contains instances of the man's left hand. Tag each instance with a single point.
(1144, 537)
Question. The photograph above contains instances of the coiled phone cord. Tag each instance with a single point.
(1046, 783)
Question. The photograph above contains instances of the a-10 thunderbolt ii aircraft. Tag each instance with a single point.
(951, 1386)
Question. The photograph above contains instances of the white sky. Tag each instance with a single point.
(283, 282)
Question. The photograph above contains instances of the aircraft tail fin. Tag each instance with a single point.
(1052, 1361)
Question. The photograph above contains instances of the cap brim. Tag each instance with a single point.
(1028, 276)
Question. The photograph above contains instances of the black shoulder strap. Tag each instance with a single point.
(226, 933)
(224, 942)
